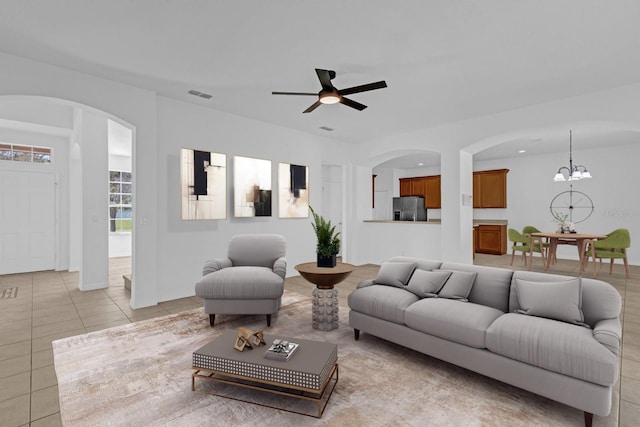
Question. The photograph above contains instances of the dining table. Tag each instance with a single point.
(580, 240)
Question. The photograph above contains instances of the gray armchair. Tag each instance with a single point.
(250, 280)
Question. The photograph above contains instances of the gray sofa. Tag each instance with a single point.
(556, 336)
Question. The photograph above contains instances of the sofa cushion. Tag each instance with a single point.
(556, 346)
(383, 302)
(241, 283)
(421, 263)
(458, 285)
(553, 300)
(464, 323)
(426, 284)
(395, 273)
(491, 287)
(600, 300)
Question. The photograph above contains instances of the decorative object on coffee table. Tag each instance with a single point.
(312, 375)
(281, 350)
(324, 304)
(328, 241)
(247, 339)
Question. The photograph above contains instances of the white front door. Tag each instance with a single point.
(27, 222)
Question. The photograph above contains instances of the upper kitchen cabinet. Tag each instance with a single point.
(422, 186)
(432, 193)
(490, 188)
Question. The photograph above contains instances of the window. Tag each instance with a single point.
(26, 153)
(120, 201)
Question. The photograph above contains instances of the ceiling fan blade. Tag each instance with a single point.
(313, 107)
(363, 88)
(325, 79)
(353, 104)
(294, 93)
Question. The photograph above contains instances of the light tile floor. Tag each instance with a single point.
(49, 306)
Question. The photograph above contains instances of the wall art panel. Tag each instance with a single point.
(203, 182)
(251, 187)
(293, 191)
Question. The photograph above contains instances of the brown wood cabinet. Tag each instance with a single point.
(406, 187)
(432, 192)
(491, 239)
(490, 189)
(422, 186)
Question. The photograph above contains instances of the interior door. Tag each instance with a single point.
(27, 222)
(332, 196)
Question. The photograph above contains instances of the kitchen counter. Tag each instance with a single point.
(437, 221)
(389, 221)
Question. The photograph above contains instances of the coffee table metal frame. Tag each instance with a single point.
(271, 387)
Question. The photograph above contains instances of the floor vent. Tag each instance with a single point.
(7, 293)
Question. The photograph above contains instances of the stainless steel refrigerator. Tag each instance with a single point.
(409, 209)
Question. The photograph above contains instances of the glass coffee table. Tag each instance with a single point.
(310, 374)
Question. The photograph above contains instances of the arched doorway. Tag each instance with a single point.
(78, 168)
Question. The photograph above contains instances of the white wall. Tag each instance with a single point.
(168, 252)
(530, 189)
(94, 272)
(20, 76)
(187, 244)
(617, 109)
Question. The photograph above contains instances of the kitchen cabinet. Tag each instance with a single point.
(406, 187)
(490, 189)
(432, 192)
(491, 239)
(422, 186)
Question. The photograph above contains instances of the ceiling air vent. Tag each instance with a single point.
(200, 94)
(328, 129)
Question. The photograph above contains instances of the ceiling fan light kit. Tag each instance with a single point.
(331, 95)
(329, 98)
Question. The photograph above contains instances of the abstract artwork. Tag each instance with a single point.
(203, 182)
(293, 191)
(251, 187)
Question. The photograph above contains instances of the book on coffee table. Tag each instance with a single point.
(281, 350)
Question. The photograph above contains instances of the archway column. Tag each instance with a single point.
(457, 206)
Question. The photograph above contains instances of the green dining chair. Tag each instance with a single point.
(528, 229)
(520, 244)
(614, 246)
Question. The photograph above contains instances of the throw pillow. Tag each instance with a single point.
(459, 285)
(427, 284)
(395, 273)
(553, 300)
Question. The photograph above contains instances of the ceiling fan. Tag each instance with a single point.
(331, 95)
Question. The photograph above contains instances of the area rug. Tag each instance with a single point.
(140, 375)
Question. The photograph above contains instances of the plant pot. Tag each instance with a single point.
(329, 261)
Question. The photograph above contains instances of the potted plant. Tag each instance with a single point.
(328, 241)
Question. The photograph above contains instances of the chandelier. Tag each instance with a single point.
(573, 172)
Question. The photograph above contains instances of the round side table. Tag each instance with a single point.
(324, 304)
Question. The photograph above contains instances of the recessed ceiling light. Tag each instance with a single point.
(522, 151)
(420, 164)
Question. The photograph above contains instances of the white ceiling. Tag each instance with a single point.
(443, 61)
